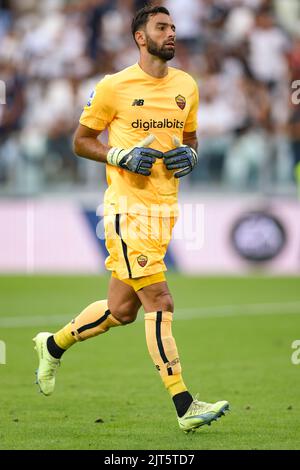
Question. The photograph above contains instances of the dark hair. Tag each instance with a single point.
(141, 17)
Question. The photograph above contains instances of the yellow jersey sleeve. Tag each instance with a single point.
(100, 110)
(191, 121)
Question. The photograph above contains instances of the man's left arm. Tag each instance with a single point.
(190, 139)
(184, 156)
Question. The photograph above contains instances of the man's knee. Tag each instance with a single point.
(167, 304)
(156, 297)
(126, 313)
(164, 301)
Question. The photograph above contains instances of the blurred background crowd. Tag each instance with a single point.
(244, 54)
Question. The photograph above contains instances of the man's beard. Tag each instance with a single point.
(162, 52)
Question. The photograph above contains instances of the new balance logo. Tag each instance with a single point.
(138, 103)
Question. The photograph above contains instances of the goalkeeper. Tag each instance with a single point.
(150, 111)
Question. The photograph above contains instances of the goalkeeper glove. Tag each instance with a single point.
(138, 159)
(181, 157)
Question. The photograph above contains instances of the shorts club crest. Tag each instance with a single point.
(142, 260)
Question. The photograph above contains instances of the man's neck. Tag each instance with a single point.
(153, 66)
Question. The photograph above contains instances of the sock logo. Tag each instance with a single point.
(173, 363)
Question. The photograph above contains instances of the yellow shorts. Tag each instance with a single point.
(144, 281)
(137, 244)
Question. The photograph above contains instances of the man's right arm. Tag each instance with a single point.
(138, 159)
(86, 144)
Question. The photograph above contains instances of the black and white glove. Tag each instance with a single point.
(182, 158)
(138, 159)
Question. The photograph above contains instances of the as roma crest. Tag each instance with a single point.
(180, 101)
(142, 260)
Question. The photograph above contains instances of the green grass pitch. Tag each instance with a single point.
(234, 336)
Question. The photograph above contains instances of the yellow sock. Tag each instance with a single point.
(163, 350)
(92, 321)
(174, 384)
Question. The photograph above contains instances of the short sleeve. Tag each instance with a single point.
(191, 121)
(99, 111)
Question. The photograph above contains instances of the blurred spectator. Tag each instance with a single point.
(217, 119)
(246, 159)
(5, 17)
(239, 23)
(251, 149)
(95, 11)
(294, 60)
(214, 19)
(268, 49)
(186, 16)
(10, 117)
(288, 14)
(294, 134)
(13, 109)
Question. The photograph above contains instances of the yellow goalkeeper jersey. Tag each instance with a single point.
(132, 104)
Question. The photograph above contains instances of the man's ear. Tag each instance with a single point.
(140, 38)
